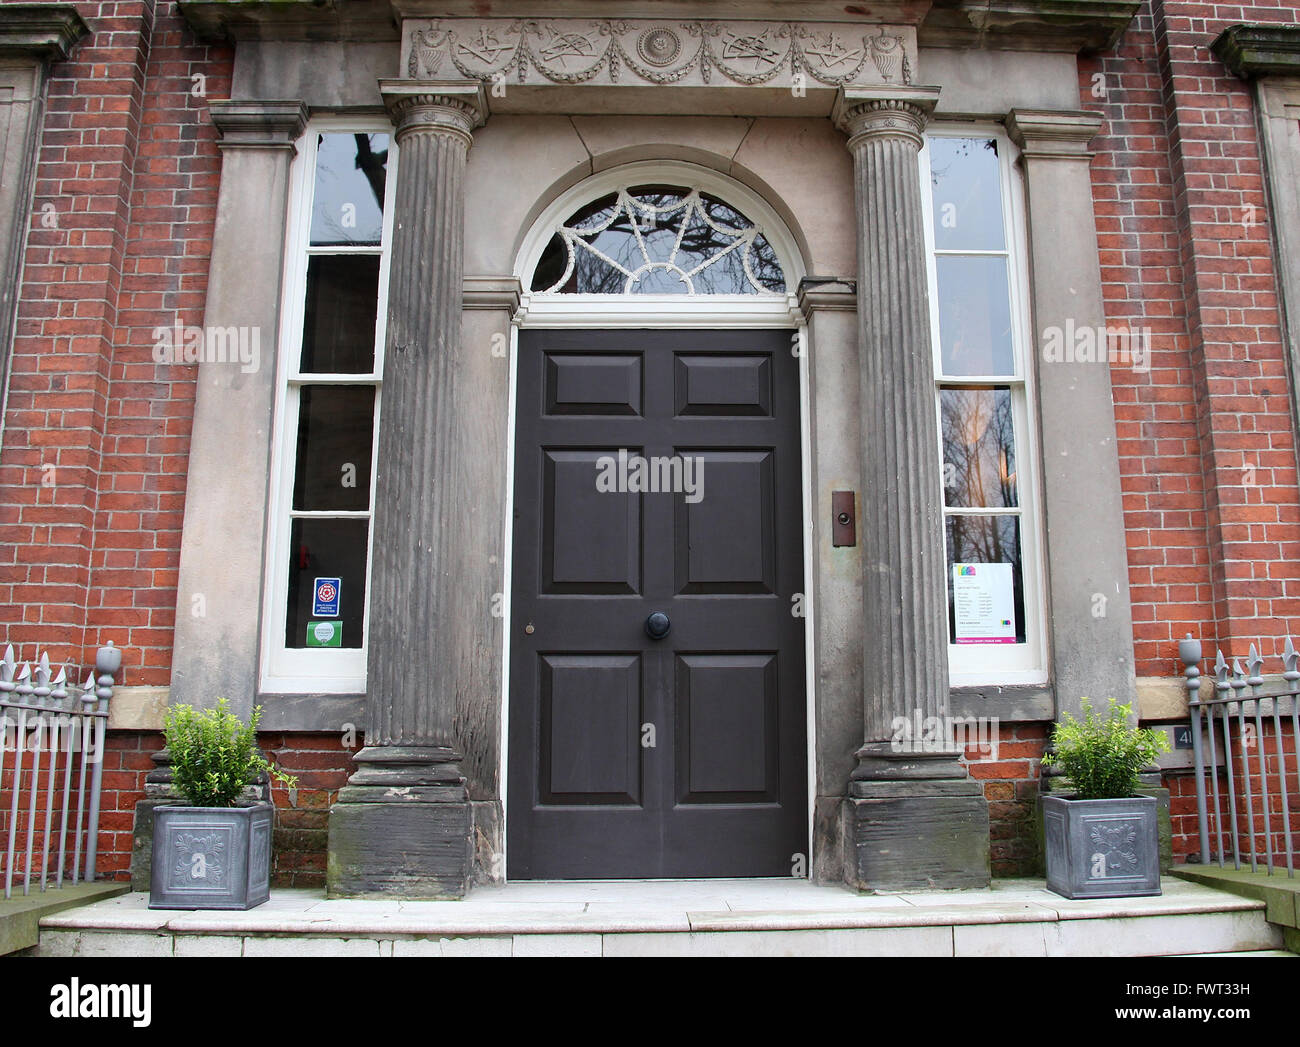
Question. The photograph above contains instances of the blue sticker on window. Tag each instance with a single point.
(325, 601)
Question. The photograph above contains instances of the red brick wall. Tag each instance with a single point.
(322, 765)
(1206, 445)
(1010, 779)
(92, 469)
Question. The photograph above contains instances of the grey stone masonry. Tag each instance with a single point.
(403, 823)
(217, 596)
(1090, 622)
(912, 819)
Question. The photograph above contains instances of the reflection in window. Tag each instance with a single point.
(654, 239)
(979, 446)
(348, 202)
(966, 194)
(975, 315)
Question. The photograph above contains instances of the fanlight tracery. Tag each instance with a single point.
(656, 239)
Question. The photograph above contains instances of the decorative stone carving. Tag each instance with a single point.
(659, 46)
(199, 858)
(651, 51)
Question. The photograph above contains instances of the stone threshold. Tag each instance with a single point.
(693, 917)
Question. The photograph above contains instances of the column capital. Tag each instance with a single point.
(1053, 134)
(454, 107)
(246, 124)
(890, 112)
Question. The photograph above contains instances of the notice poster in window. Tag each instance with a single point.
(325, 597)
(983, 602)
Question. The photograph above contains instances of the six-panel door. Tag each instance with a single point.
(657, 471)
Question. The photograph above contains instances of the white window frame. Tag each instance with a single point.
(315, 670)
(984, 664)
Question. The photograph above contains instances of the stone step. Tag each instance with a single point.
(21, 914)
(681, 918)
(1272, 953)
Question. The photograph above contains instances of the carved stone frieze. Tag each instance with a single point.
(659, 51)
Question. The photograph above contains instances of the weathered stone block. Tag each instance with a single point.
(416, 850)
(914, 835)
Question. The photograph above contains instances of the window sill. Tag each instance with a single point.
(1010, 703)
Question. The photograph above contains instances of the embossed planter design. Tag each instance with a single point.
(211, 857)
(1102, 848)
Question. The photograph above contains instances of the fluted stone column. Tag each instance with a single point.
(403, 823)
(911, 819)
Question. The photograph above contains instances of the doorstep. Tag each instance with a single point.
(681, 917)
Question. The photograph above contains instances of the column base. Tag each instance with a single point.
(409, 833)
(927, 827)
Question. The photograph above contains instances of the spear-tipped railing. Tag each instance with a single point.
(52, 736)
(1261, 778)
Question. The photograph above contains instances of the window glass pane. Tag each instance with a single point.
(655, 239)
(979, 447)
(975, 316)
(964, 177)
(348, 202)
(336, 426)
(334, 550)
(338, 334)
(985, 606)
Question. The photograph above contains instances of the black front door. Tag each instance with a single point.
(657, 473)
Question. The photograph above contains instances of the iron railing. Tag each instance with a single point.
(1262, 780)
(52, 737)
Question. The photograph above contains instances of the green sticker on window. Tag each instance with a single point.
(324, 634)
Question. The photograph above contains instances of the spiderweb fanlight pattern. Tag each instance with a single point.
(654, 239)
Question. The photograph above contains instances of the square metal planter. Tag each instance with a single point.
(211, 857)
(1102, 848)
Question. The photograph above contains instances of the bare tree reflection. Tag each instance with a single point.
(337, 186)
(978, 446)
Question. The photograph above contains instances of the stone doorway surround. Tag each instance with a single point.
(496, 117)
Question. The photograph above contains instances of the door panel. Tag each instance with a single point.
(592, 539)
(631, 756)
(590, 729)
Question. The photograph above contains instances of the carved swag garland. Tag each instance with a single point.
(572, 51)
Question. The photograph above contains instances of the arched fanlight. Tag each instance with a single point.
(658, 239)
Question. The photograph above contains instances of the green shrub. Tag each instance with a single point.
(214, 754)
(1103, 755)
